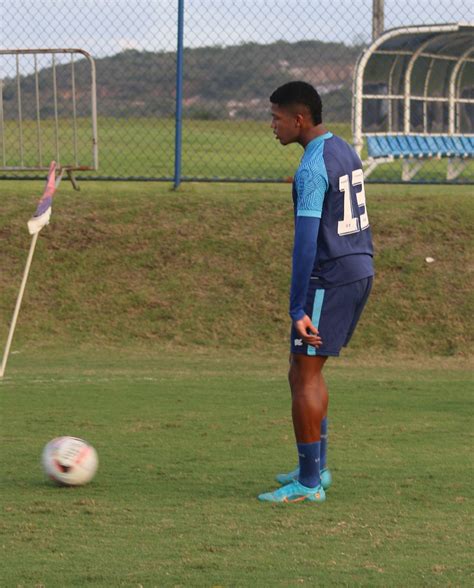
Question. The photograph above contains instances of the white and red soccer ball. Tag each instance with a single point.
(69, 461)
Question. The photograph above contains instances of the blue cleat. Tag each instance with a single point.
(326, 478)
(284, 479)
(294, 492)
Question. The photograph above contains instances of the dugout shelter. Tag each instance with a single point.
(413, 98)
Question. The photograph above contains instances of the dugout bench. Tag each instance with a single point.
(414, 150)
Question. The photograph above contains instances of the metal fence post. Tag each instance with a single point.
(378, 25)
(179, 96)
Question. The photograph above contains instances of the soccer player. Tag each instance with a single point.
(332, 275)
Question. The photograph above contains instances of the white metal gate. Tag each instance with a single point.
(48, 110)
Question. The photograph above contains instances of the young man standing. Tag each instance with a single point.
(331, 275)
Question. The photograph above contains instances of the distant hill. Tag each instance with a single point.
(219, 82)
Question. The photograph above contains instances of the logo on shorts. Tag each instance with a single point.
(298, 342)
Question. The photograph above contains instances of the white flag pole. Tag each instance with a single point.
(6, 353)
(35, 225)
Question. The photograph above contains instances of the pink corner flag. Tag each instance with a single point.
(43, 210)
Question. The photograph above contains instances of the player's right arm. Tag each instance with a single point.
(311, 188)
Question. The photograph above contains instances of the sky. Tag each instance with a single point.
(106, 27)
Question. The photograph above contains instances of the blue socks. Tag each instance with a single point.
(309, 456)
(312, 458)
(324, 442)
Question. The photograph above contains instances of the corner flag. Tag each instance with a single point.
(43, 211)
(39, 220)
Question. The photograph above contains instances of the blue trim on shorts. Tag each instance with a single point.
(316, 315)
(335, 312)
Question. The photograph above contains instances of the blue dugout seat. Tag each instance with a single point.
(413, 150)
(419, 146)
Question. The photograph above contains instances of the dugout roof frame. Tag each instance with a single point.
(395, 79)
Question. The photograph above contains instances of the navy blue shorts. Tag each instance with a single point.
(335, 312)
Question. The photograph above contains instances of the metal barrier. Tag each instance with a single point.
(183, 86)
(45, 124)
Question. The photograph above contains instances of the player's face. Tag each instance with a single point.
(285, 124)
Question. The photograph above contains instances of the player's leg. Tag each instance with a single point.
(341, 309)
(326, 478)
(307, 400)
(322, 392)
(341, 314)
(305, 378)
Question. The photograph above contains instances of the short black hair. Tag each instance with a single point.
(300, 93)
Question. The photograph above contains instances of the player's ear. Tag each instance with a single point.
(299, 118)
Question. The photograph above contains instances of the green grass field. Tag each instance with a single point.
(144, 147)
(186, 442)
(142, 331)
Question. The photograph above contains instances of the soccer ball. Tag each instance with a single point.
(69, 461)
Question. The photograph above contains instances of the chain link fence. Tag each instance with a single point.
(235, 54)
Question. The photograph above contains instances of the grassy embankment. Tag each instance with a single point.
(208, 266)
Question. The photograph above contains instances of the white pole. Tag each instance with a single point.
(453, 93)
(18, 304)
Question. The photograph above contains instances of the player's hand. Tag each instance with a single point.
(308, 332)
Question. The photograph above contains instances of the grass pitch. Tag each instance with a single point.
(186, 442)
(141, 331)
